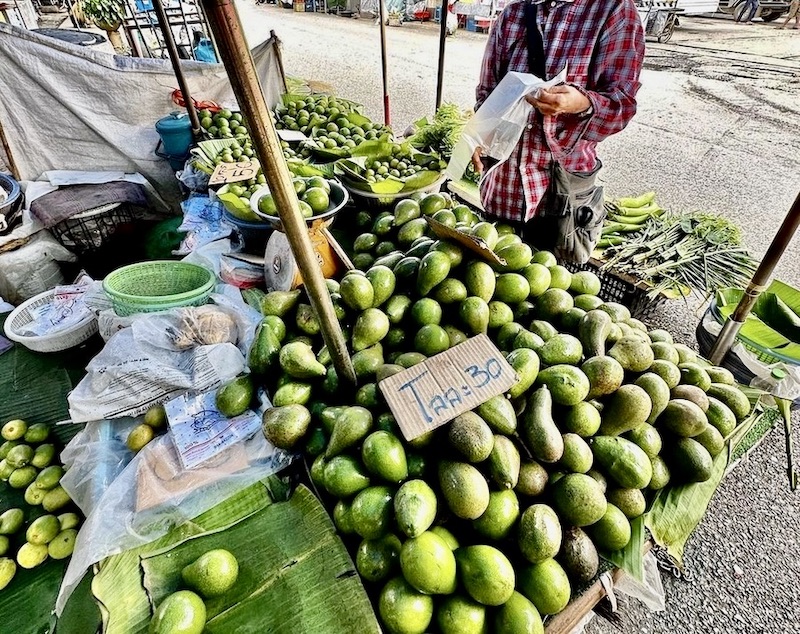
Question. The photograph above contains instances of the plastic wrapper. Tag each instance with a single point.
(141, 365)
(32, 268)
(153, 494)
(651, 592)
(193, 179)
(498, 124)
(203, 326)
(240, 274)
(203, 223)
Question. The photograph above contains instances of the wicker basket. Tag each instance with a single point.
(64, 339)
(621, 288)
(149, 287)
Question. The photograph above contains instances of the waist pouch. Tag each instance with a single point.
(570, 220)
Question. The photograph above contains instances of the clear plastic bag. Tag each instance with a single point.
(154, 494)
(651, 591)
(498, 124)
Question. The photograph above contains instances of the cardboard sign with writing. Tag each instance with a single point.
(235, 172)
(433, 392)
(477, 245)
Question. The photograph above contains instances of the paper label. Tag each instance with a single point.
(431, 393)
(200, 431)
(235, 172)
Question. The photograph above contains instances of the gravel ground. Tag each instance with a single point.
(714, 131)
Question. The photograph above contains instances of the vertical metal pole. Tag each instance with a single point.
(166, 32)
(442, 38)
(276, 43)
(225, 23)
(758, 284)
(387, 117)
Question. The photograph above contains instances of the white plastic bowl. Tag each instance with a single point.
(70, 337)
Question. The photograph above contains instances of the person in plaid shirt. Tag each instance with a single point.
(602, 44)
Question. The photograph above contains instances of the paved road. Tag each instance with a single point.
(716, 130)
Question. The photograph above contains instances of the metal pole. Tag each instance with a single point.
(384, 71)
(225, 23)
(169, 39)
(758, 284)
(276, 44)
(442, 38)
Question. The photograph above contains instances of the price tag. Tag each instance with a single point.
(235, 172)
(200, 431)
(431, 393)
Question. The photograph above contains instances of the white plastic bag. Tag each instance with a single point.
(651, 592)
(32, 268)
(154, 494)
(498, 124)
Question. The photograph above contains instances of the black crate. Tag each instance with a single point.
(621, 288)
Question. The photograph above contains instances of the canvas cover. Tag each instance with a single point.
(66, 107)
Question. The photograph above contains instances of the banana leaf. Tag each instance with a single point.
(237, 207)
(34, 387)
(375, 149)
(295, 575)
(421, 180)
(631, 558)
(677, 510)
(302, 168)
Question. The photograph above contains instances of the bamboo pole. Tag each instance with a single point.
(169, 40)
(758, 284)
(442, 38)
(224, 22)
(387, 117)
(12, 165)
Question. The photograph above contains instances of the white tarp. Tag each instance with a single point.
(65, 107)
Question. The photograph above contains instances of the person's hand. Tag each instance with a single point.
(558, 100)
(477, 163)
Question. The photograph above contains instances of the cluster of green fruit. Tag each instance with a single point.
(153, 424)
(210, 576)
(493, 520)
(46, 536)
(342, 134)
(26, 462)
(225, 124)
(289, 152)
(313, 194)
(308, 113)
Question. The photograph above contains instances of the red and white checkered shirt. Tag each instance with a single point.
(602, 43)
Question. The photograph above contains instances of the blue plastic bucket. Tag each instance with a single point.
(175, 131)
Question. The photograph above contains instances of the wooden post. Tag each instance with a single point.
(225, 23)
(169, 39)
(12, 165)
(757, 285)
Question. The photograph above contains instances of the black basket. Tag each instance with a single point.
(90, 230)
(621, 288)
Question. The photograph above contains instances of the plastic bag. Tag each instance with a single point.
(203, 223)
(203, 326)
(651, 592)
(498, 124)
(32, 268)
(193, 179)
(153, 494)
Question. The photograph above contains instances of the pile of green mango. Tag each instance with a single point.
(490, 522)
(28, 461)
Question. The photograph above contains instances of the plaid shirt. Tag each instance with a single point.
(602, 43)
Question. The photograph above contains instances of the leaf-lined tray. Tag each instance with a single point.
(295, 574)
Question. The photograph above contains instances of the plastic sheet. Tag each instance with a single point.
(651, 592)
(32, 268)
(498, 124)
(141, 365)
(154, 494)
(203, 223)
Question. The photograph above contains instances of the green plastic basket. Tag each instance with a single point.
(148, 287)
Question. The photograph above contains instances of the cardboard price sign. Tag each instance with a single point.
(478, 246)
(235, 172)
(431, 393)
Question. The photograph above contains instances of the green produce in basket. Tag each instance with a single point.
(415, 506)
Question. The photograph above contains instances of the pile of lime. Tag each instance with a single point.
(225, 124)
(313, 194)
(343, 134)
(306, 113)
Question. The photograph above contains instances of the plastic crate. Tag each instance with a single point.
(620, 288)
